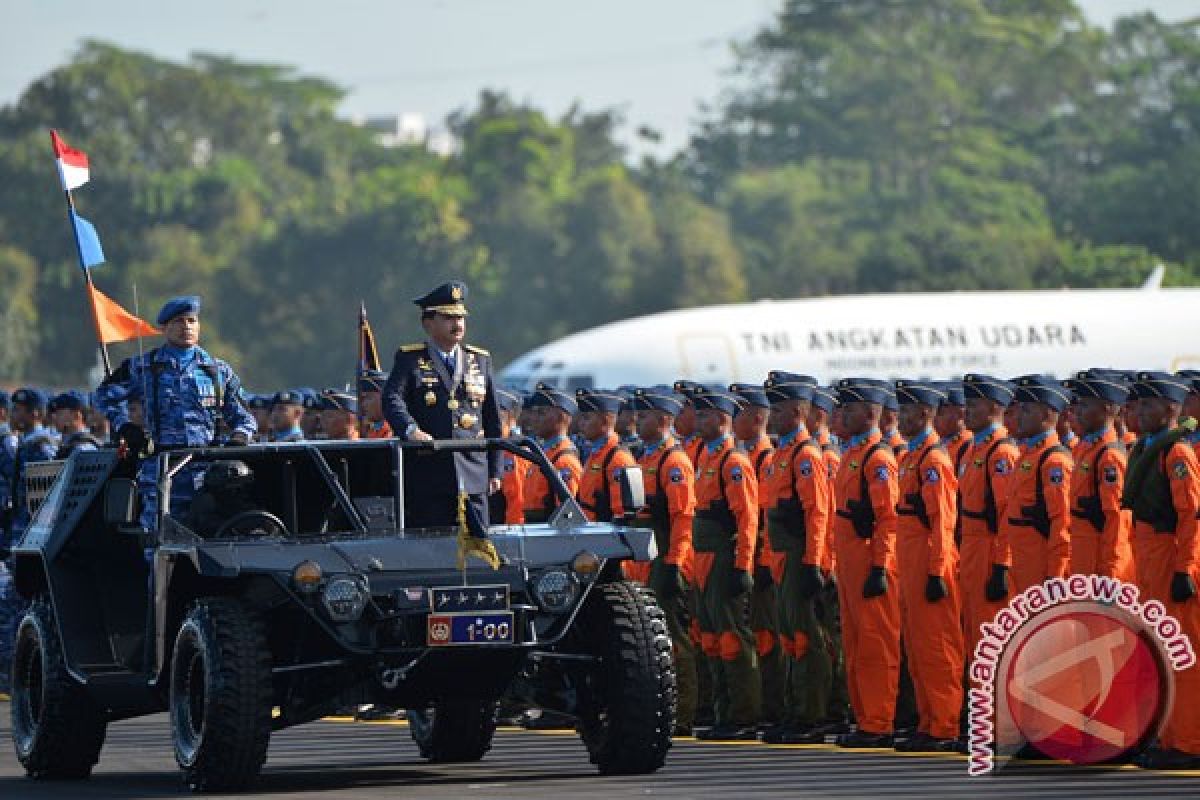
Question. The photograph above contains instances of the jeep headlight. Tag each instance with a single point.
(555, 591)
(344, 599)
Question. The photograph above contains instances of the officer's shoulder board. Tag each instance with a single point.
(479, 351)
(411, 348)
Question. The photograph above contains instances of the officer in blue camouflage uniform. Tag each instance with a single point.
(191, 399)
(287, 410)
(36, 443)
(68, 412)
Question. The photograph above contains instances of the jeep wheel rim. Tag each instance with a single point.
(28, 687)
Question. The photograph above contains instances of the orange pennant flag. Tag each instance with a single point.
(115, 324)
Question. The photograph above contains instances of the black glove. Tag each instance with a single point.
(134, 438)
(238, 439)
(997, 585)
(763, 579)
(671, 583)
(1183, 588)
(876, 585)
(740, 582)
(808, 579)
(935, 588)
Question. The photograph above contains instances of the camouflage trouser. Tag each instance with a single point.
(12, 607)
(772, 662)
(675, 610)
(828, 611)
(725, 632)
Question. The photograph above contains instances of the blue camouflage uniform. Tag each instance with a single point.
(187, 395)
(37, 444)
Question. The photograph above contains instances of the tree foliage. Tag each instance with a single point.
(863, 145)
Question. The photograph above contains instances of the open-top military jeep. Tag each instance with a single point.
(293, 589)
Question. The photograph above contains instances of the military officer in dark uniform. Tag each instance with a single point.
(442, 389)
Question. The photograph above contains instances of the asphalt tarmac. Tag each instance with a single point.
(339, 758)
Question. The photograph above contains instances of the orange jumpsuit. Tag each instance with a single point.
(1031, 555)
(870, 626)
(1097, 482)
(540, 502)
(764, 617)
(799, 502)
(957, 447)
(1157, 556)
(600, 487)
(986, 470)
(933, 638)
(692, 445)
(724, 533)
(513, 470)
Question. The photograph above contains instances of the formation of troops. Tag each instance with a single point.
(826, 553)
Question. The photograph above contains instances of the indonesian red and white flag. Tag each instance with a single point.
(72, 164)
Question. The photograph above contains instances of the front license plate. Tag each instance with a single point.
(494, 627)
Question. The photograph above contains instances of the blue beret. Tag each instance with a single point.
(5, 400)
(288, 397)
(997, 390)
(782, 386)
(655, 399)
(372, 380)
(865, 390)
(953, 391)
(507, 399)
(449, 298)
(1145, 385)
(825, 398)
(1042, 389)
(334, 400)
(549, 397)
(1110, 387)
(73, 400)
(751, 394)
(717, 400)
(598, 400)
(30, 398)
(186, 304)
(914, 392)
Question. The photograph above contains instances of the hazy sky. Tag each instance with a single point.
(656, 60)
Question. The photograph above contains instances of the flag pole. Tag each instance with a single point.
(88, 286)
(362, 360)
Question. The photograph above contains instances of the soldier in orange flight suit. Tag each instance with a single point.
(670, 509)
(887, 424)
(983, 482)
(508, 504)
(927, 563)
(1099, 528)
(1191, 406)
(829, 616)
(1034, 540)
(685, 422)
(370, 389)
(1163, 490)
(724, 533)
(750, 432)
(865, 537)
(799, 502)
(550, 413)
(600, 486)
(949, 422)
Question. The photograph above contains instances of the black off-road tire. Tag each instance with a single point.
(57, 729)
(454, 731)
(627, 708)
(220, 695)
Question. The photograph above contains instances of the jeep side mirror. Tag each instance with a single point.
(120, 503)
(633, 489)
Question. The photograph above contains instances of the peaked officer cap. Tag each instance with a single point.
(448, 299)
(288, 397)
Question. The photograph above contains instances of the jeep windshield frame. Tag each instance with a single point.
(316, 456)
